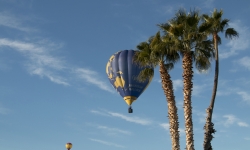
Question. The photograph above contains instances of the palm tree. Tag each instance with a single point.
(194, 47)
(213, 25)
(156, 52)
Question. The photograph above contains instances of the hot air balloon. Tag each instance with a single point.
(68, 146)
(122, 73)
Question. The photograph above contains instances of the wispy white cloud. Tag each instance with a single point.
(11, 21)
(99, 113)
(236, 45)
(50, 75)
(245, 62)
(182, 131)
(21, 46)
(247, 138)
(91, 76)
(225, 89)
(245, 96)
(41, 63)
(109, 130)
(44, 64)
(179, 105)
(243, 81)
(166, 127)
(114, 130)
(107, 143)
(201, 115)
(197, 89)
(4, 110)
(36, 52)
(242, 124)
(133, 119)
(223, 93)
(231, 119)
(178, 83)
(208, 3)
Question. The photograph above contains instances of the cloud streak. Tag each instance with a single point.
(247, 138)
(110, 130)
(245, 62)
(134, 119)
(166, 127)
(114, 130)
(245, 96)
(242, 124)
(178, 83)
(235, 45)
(3, 110)
(107, 143)
(208, 3)
(44, 64)
(13, 22)
(231, 119)
(92, 77)
(197, 89)
(41, 63)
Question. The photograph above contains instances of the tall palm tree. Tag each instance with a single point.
(213, 25)
(156, 52)
(195, 48)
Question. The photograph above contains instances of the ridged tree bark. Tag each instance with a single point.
(187, 63)
(209, 126)
(167, 86)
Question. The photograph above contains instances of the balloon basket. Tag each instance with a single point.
(130, 110)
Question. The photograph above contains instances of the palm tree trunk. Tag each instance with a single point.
(187, 63)
(167, 87)
(209, 126)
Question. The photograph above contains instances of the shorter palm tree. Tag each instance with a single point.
(157, 52)
(213, 25)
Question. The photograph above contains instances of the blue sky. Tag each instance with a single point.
(54, 89)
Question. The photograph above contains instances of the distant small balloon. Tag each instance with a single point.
(122, 73)
(68, 146)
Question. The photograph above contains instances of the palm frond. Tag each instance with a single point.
(202, 63)
(180, 15)
(204, 52)
(142, 55)
(231, 33)
(217, 15)
(206, 26)
(164, 27)
(145, 74)
(193, 18)
(218, 39)
(169, 66)
(222, 25)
